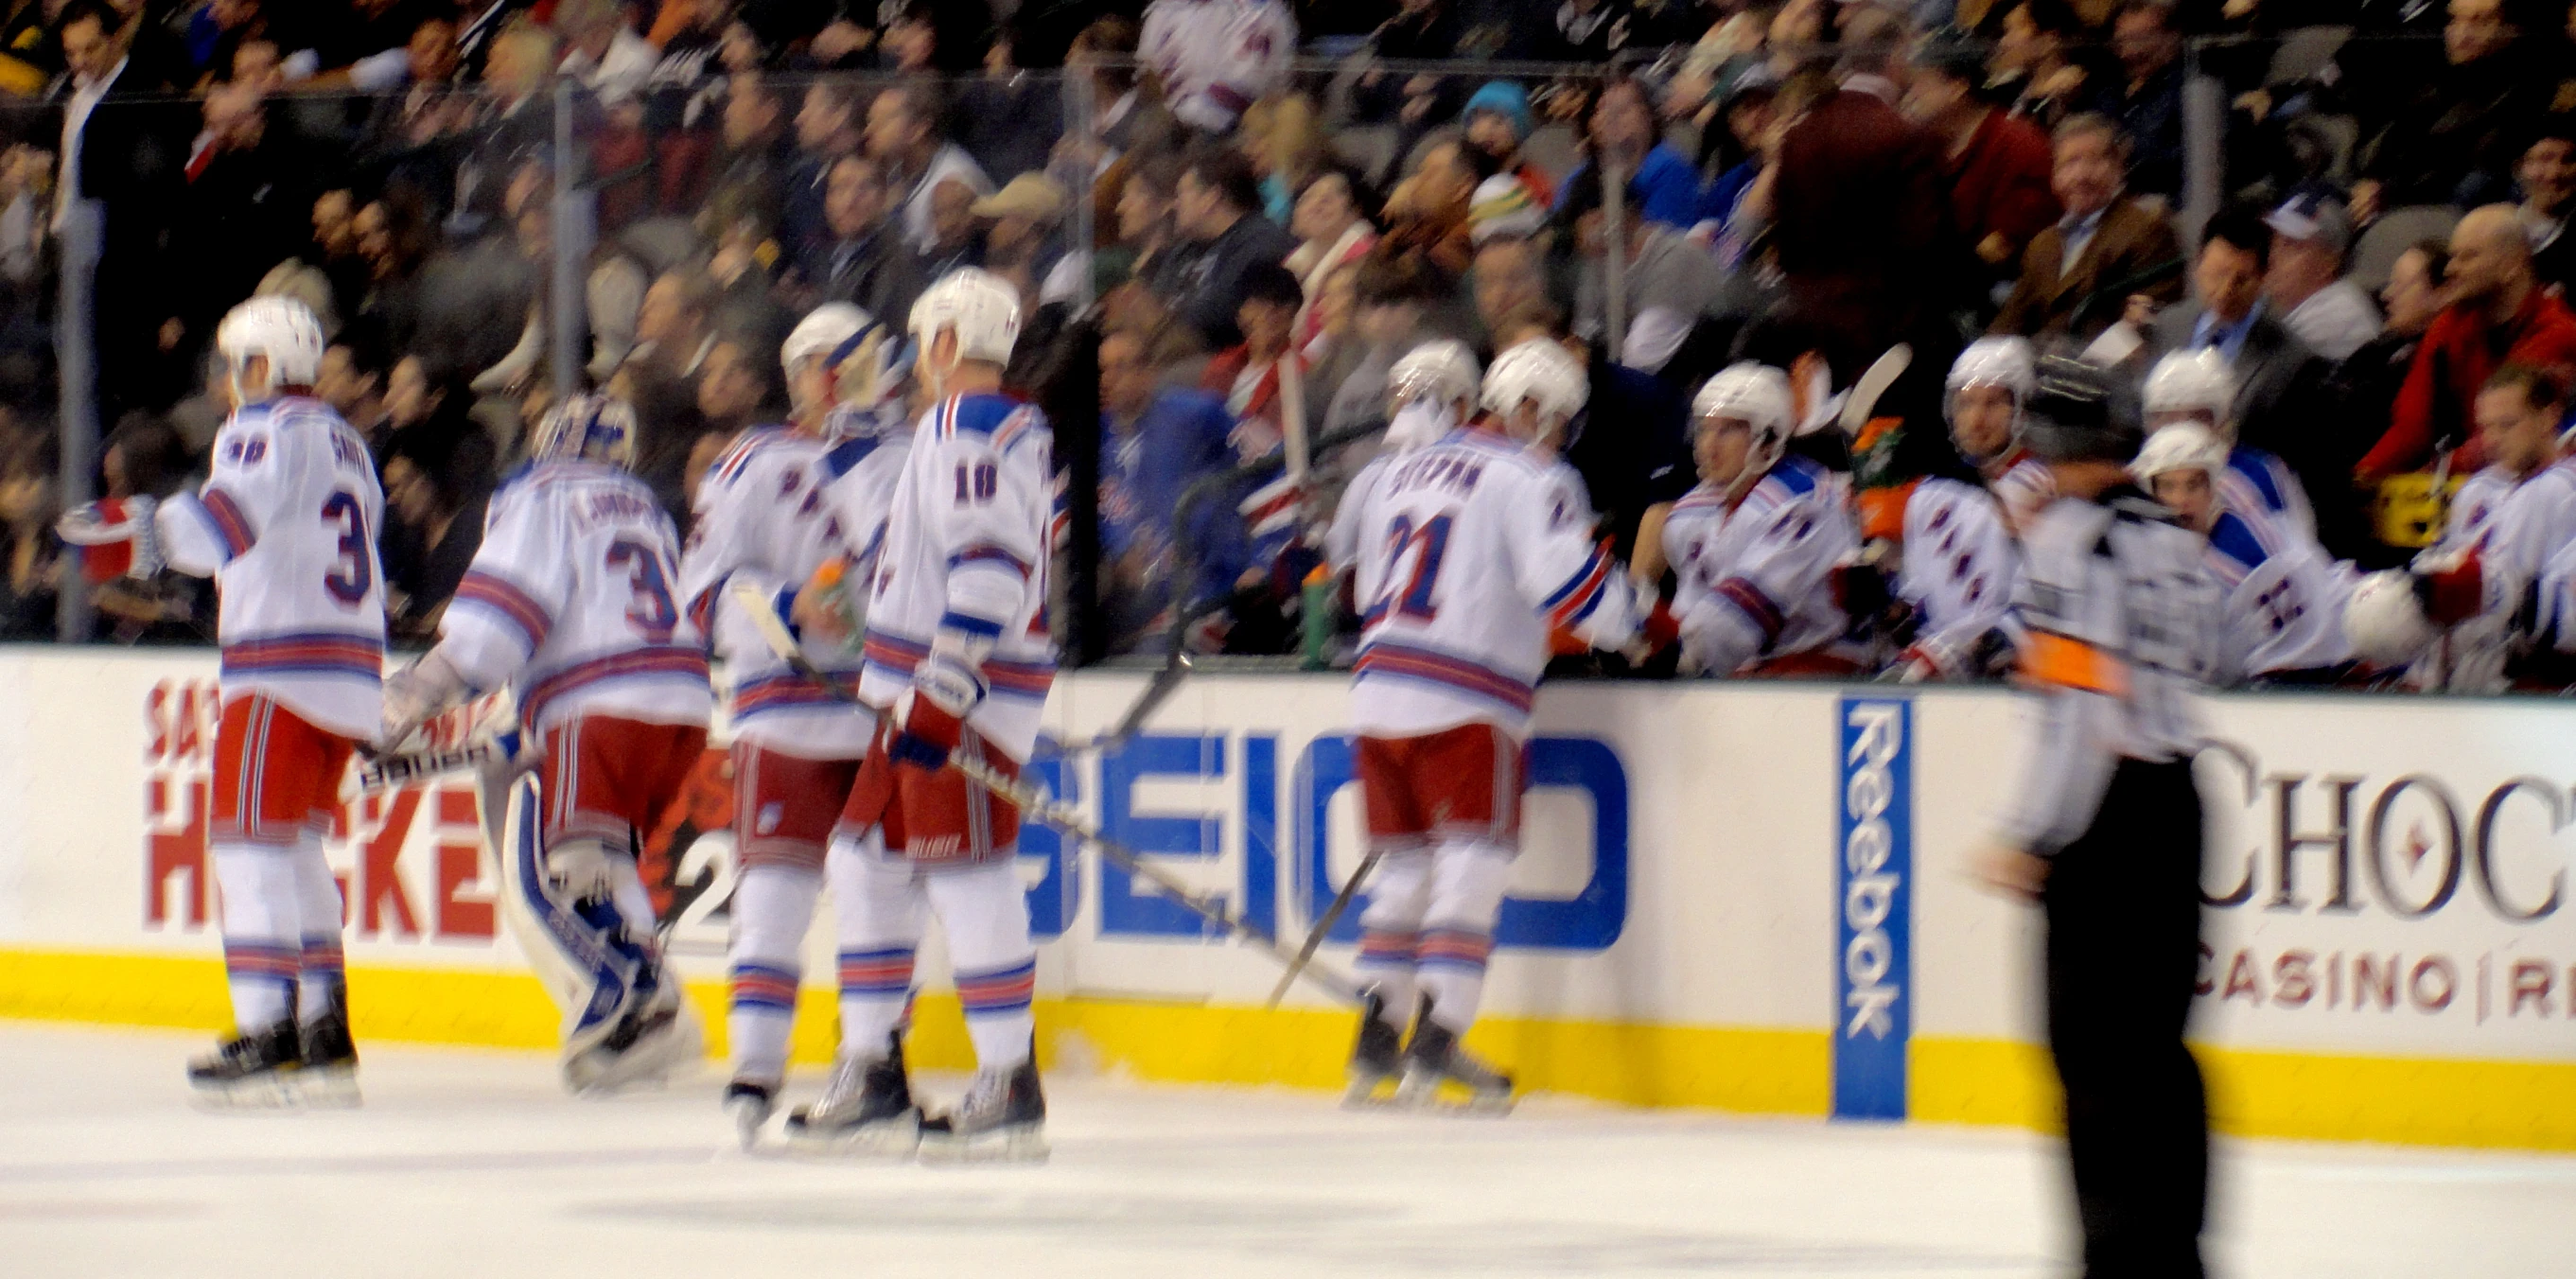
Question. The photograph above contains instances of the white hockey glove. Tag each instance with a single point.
(580, 870)
(118, 522)
(416, 694)
(947, 687)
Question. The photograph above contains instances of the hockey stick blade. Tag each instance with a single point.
(1034, 803)
(1322, 929)
(1862, 401)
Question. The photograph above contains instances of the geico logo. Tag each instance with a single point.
(2415, 840)
(1869, 892)
(2486, 986)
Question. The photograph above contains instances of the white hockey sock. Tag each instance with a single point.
(323, 971)
(880, 912)
(634, 904)
(771, 907)
(1467, 882)
(263, 949)
(985, 914)
(1391, 933)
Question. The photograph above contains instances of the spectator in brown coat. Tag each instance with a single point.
(2079, 275)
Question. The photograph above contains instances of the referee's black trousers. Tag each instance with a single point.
(2123, 913)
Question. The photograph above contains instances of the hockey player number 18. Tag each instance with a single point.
(980, 485)
(1432, 540)
(355, 571)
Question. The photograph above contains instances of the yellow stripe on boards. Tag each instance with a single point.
(2495, 1104)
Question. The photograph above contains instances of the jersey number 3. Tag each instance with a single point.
(651, 612)
(354, 573)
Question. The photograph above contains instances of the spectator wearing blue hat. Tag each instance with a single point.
(1498, 121)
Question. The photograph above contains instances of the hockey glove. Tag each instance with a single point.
(579, 871)
(415, 694)
(2452, 589)
(109, 527)
(947, 687)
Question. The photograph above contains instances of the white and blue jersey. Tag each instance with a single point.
(1467, 555)
(572, 600)
(2261, 486)
(2284, 599)
(1756, 582)
(968, 538)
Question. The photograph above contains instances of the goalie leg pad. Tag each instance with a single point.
(881, 913)
(772, 906)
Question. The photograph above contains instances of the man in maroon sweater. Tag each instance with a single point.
(1997, 165)
(2498, 316)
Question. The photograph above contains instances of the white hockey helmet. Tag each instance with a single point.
(280, 328)
(2384, 619)
(823, 330)
(981, 308)
(2183, 446)
(1541, 372)
(2008, 362)
(1754, 394)
(2191, 382)
(596, 428)
(1441, 368)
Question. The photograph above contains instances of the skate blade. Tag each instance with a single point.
(1370, 1093)
(649, 1064)
(1019, 1144)
(1438, 1098)
(328, 1088)
(895, 1139)
(748, 1116)
(244, 1095)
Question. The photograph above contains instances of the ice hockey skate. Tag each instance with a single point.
(1001, 1120)
(254, 1071)
(328, 1074)
(1434, 1059)
(865, 1111)
(749, 1103)
(1377, 1059)
(653, 1039)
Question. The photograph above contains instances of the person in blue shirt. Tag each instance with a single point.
(1155, 442)
(1663, 181)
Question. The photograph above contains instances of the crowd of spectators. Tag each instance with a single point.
(1279, 201)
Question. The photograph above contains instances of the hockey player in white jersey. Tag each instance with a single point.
(1430, 392)
(2474, 588)
(286, 525)
(2284, 619)
(1216, 57)
(764, 521)
(1982, 398)
(1755, 547)
(1959, 557)
(2199, 386)
(958, 659)
(1467, 554)
(569, 602)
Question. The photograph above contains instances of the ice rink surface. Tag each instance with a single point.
(475, 1163)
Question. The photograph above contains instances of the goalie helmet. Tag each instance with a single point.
(981, 308)
(2192, 382)
(1442, 369)
(593, 428)
(2385, 620)
(2007, 362)
(2183, 446)
(1542, 373)
(280, 328)
(823, 330)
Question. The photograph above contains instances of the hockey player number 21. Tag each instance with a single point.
(651, 612)
(354, 573)
(1432, 541)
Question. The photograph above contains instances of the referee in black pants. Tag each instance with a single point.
(2122, 630)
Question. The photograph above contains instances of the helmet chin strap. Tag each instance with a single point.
(243, 393)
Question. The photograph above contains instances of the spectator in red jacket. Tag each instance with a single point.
(2498, 316)
(1997, 165)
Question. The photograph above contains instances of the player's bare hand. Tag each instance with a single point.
(2012, 872)
(815, 615)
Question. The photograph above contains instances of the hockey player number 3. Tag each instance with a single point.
(651, 613)
(1432, 540)
(355, 571)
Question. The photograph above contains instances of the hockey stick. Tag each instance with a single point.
(1323, 927)
(380, 773)
(1862, 400)
(1035, 806)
